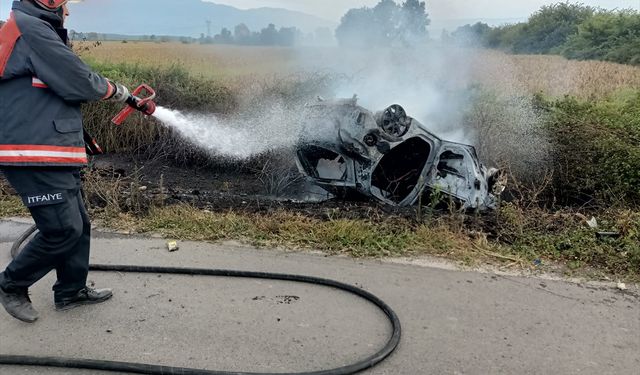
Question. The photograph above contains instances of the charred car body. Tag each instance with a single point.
(391, 157)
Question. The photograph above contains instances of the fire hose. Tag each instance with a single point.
(150, 369)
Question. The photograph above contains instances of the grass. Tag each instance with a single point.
(564, 236)
(11, 206)
(523, 238)
(511, 237)
(394, 237)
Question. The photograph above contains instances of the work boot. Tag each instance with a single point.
(18, 304)
(85, 296)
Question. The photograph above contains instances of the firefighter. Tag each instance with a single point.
(42, 85)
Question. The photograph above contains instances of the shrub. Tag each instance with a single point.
(609, 36)
(566, 151)
(596, 150)
(550, 27)
(573, 30)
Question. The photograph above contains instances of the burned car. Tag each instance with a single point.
(389, 156)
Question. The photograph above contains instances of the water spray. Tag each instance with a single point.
(236, 138)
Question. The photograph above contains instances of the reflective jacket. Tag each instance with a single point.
(42, 84)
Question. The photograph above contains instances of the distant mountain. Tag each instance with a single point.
(184, 17)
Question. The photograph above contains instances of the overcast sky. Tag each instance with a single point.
(441, 9)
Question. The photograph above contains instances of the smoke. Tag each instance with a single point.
(460, 94)
(264, 123)
(464, 95)
(428, 82)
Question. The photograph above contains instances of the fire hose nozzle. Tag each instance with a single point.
(135, 102)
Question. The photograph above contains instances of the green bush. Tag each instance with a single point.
(609, 36)
(596, 150)
(573, 30)
(549, 28)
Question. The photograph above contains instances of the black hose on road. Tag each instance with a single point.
(149, 369)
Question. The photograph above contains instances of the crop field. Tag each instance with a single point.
(551, 75)
(567, 132)
(211, 61)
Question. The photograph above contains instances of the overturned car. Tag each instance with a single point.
(391, 157)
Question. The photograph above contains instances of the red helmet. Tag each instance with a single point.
(51, 4)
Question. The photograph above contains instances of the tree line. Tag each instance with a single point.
(268, 36)
(575, 31)
(241, 35)
(387, 24)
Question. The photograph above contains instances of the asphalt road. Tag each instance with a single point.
(453, 322)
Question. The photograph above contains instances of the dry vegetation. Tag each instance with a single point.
(555, 75)
(552, 75)
(210, 61)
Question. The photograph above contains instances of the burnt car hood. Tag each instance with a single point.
(348, 150)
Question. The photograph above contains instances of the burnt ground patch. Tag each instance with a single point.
(224, 187)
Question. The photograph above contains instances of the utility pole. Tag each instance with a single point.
(208, 28)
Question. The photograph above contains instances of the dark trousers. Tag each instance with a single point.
(54, 198)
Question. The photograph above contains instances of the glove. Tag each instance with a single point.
(120, 93)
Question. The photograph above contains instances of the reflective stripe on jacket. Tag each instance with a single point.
(42, 85)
